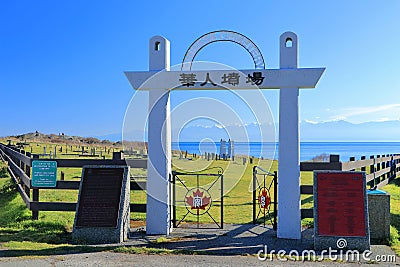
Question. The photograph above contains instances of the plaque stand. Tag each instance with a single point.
(103, 211)
(340, 211)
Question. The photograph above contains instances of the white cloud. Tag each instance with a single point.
(365, 114)
(383, 119)
(312, 122)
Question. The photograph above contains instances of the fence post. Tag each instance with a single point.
(383, 167)
(353, 159)
(392, 167)
(363, 169)
(35, 196)
(118, 155)
(397, 162)
(383, 162)
(372, 171)
(384, 176)
(17, 161)
(23, 166)
(28, 173)
(389, 164)
(334, 158)
(378, 168)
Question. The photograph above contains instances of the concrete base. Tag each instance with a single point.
(100, 235)
(335, 241)
(332, 242)
(379, 217)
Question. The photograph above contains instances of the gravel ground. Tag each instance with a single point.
(117, 259)
(235, 245)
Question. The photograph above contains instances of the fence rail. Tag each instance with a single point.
(379, 171)
(19, 168)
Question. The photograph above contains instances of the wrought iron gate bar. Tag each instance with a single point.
(261, 169)
(191, 173)
(181, 182)
(197, 198)
(262, 196)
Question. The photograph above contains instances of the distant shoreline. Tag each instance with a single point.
(308, 150)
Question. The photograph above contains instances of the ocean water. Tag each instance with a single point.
(308, 150)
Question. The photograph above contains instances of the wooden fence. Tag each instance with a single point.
(19, 167)
(379, 171)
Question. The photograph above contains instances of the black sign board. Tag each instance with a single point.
(100, 197)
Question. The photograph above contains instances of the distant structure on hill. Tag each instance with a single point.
(227, 149)
(61, 138)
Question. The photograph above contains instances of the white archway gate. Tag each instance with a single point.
(288, 78)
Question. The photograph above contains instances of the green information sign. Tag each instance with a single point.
(44, 173)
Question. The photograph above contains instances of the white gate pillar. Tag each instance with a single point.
(158, 221)
(289, 215)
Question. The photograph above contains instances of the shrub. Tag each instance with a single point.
(3, 171)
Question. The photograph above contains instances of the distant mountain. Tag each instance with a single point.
(325, 131)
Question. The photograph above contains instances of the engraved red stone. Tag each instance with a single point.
(341, 210)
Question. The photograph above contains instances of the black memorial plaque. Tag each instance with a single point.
(100, 197)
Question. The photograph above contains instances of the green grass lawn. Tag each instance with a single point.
(53, 229)
(15, 221)
(394, 190)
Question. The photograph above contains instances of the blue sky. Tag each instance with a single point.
(62, 62)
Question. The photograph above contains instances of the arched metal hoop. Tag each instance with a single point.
(223, 36)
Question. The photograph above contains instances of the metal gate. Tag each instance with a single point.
(265, 185)
(198, 199)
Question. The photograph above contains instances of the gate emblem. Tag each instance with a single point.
(264, 199)
(194, 199)
(198, 199)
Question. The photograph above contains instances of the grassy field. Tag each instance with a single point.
(70, 151)
(52, 232)
(394, 190)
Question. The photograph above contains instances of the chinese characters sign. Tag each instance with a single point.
(44, 173)
(341, 204)
(229, 78)
(225, 79)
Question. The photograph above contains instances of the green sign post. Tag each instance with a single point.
(44, 173)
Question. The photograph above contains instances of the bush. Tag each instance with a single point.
(321, 158)
(3, 171)
(8, 187)
(394, 236)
